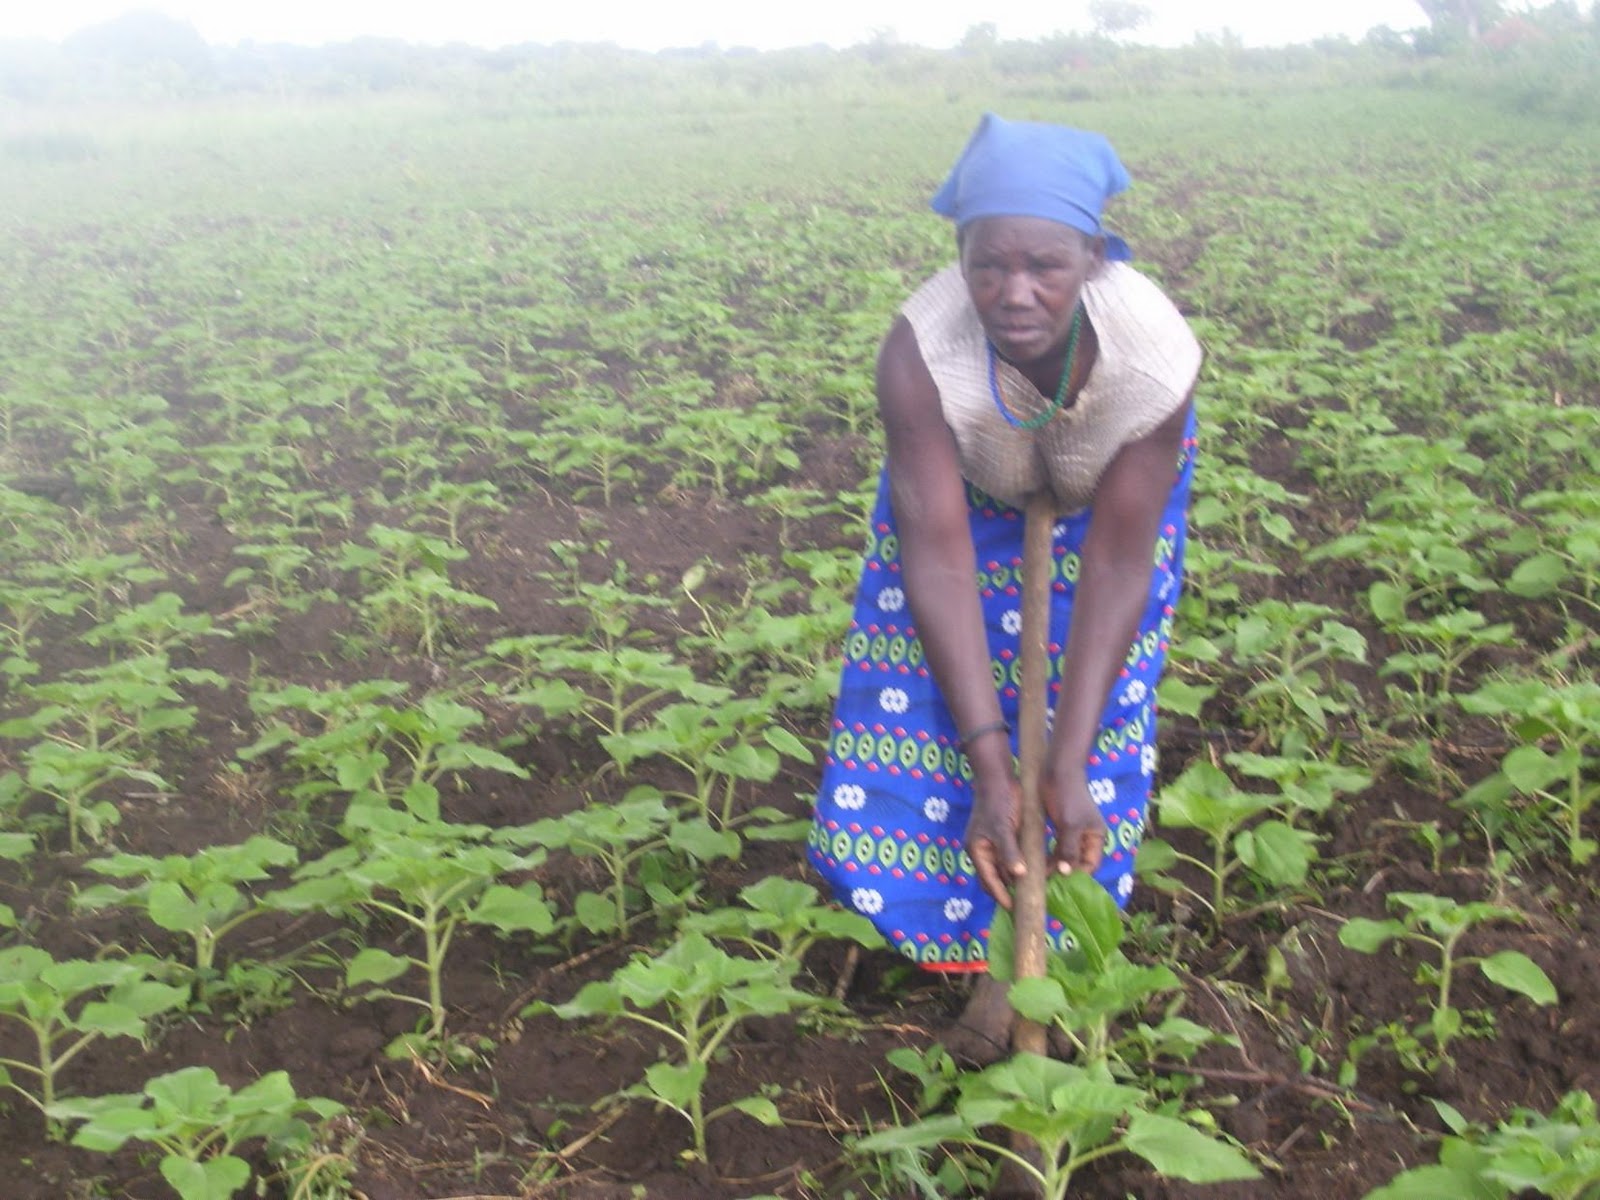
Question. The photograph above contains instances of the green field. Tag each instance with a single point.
(429, 535)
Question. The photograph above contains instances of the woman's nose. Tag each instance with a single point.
(1014, 291)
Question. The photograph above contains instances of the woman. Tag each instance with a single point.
(1039, 360)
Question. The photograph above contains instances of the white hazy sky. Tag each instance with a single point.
(654, 24)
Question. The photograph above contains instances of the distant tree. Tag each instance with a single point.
(1112, 17)
(1467, 18)
(138, 41)
(980, 39)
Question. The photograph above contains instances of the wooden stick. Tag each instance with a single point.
(1038, 564)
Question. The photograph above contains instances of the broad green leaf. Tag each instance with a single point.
(703, 843)
(784, 742)
(1367, 936)
(375, 966)
(171, 909)
(213, 1179)
(919, 1136)
(761, 1109)
(1155, 856)
(1439, 1183)
(1178, 1149)
(675, 1084)
(1445, 1023)
(188, 1092)
(1531, 770)
(421, 800)
(1182, 698)
(601, 998)
(1088, 912)
(110, 1020)
(1002, 947)
(1387, 602)
(1452, 1118)
(1040, 1000)
(596, 913)
(1537, 576)
(1277, 852)
(1519, 973)
(511, 908)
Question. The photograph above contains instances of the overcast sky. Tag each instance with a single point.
(644, 25)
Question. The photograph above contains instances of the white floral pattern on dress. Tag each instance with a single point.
(850, 796)
(894, 700)
(891, 599)
(1125, 886)
(1135, 693)
(936, 808)
(867, 900)
(1011, 621)
(957, 909)
(1102, 791)
(1147, 760)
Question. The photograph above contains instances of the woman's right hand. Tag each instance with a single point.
(991, 837)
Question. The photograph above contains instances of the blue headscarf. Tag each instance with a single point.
(1032, 169)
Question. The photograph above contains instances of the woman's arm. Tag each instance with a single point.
(1112, 590)
(939, 571)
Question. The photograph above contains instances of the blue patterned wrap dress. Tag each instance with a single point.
(895, 792)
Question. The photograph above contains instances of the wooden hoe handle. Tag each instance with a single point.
(1028, 902)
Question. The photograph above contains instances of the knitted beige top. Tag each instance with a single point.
(1147, 363)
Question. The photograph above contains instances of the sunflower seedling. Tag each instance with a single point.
(1440, 922)
(69, 1005)
(198, 1123)
(705, 993)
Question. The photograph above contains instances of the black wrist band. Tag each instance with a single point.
(972, 735)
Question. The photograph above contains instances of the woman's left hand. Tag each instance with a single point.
(1080, 829)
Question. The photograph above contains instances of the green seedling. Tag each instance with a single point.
(68, 1006)
(1439, 646)
(23, 605)
(14, 847)
(102, 577)
(1563, 554)
(782, 919)
(1555, 1155)
(704, 993)
(273, 573)
(450, 503)
(432, 877)
(638, 835)
(101, 724)
(1272, 851)
(725, 446)
(1440, 923)
(156, 627)
(1562, 781)
(614, 687)
(198, 1122)
(762, 637)
(1075, 1115)
(716, 742)
(200, 895)
(1088, 990)
(1306, 786)
(418, 606)
(1237, 501)
(376, 753)
(1290, 650)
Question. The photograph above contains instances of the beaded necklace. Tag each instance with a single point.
(1032, 423)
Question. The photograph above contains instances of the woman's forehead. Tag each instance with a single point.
(1031, 234)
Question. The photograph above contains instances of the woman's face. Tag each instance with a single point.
(1024, 275)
